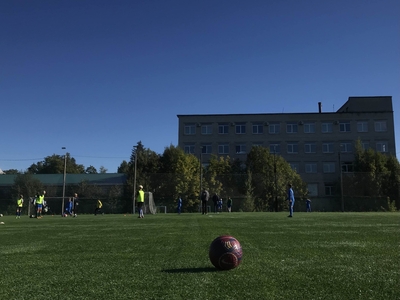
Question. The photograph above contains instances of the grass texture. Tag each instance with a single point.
(165, 256)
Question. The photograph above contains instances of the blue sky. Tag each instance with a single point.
(98, 76)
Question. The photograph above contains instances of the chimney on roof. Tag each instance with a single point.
(319, 107)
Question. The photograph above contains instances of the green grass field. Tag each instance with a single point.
(165, 256)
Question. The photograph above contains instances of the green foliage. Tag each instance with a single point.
(248, 204)
(91, 170)
(181, 178)
(271, 175)
(54, 164)
(376, 174)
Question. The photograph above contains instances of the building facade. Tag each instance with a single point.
(319, 145)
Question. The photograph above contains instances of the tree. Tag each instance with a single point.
(11, 172)
(123, 167)
(270, 176)
(103, 170)
(181, 177)
(91, 170)
(54, 164)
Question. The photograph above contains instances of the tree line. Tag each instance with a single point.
(259, 183)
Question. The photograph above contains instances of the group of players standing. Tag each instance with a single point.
(41, 206)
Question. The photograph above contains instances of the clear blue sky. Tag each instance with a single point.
(98, 76)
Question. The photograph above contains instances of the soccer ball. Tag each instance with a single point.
(1, 215)
(225, 252)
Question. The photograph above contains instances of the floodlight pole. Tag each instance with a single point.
(134, 180)
(64, 179)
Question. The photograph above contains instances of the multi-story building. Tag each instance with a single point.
(319, 145)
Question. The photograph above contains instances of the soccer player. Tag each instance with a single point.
(39, 204)
(308, 205)
(291, 200)
(20, 202)
(179, 205)
(69, 207)
(76, 204)
(204, 200)
(140, 201)
(99, 205)
(229, 204)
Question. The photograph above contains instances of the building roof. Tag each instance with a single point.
(58, 179)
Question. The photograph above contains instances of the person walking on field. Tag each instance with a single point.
(179, 205)
(140, 201)
(204, 200)
(308, 205)
(229, 204)
(291, 200)
(215, 200)
(20, 202)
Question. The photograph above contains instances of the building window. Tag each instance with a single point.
(292, 147)
(274, 128)
(309, 127)
(223, 128)
(294, 166)
(258, 128)
(257, 144)
(346, 147)
(311, 167)
(362, 126)
(326, 127)
(329, 167)
(327, 147)
(190, 129)
(189, 148)
(344, 126)
(223, 148)
(240, 149)
(380, 126)
(310, 147)
(291, 128)
(329, 189)
(274, 148)
(240, 128)
(347, 167)
(365, 145)
(312, 189)
(382, 146)
(206, 129)
(206, 149)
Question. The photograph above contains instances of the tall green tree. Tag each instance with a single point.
(181, 178)
(270, 177)
(54, 164)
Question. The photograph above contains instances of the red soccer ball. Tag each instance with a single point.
(225, 252)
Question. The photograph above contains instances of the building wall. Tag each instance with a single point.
(369, 119)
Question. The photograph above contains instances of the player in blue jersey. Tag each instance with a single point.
(291, 200)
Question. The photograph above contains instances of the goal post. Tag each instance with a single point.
(149, 204)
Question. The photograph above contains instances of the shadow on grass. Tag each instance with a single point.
(190, 270)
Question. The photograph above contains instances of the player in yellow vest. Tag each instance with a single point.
(20, 202)
(140, 201)
(99, 205)
(39, 204)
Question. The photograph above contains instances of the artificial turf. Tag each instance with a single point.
(165, 256)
